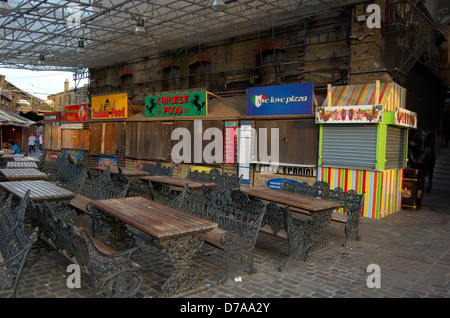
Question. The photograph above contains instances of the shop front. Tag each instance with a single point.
(363, 143)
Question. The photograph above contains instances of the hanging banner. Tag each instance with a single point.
(358, 114)
(75, 113)
(177, 105)
(291, 99)
(109, 106)
(245, 151)
(229, 143)
(405, 118)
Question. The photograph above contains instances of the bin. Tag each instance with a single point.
(412, 188)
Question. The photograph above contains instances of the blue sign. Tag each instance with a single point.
(276, 183)
(75, 154)
(290, 99)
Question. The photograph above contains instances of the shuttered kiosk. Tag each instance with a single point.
(363, 143)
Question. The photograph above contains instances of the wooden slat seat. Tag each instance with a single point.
(214, 238)
(80, 202)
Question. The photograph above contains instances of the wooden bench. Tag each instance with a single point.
(351, 202)
(135, 188)
(72, 176)
(15, 246)
(113, 274)
(224, 181)
(157, 169)
(53, 168)
(238, 228)
(98, 188)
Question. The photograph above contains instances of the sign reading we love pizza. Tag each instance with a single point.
(290, 99)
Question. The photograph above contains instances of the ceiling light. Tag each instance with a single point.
(140, 29)
(4, 7)
(80, 49)
(41, 59)
(218, 5)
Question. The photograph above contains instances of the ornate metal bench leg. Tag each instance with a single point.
(236, 256)
(180, 251)
(352, 227)
(319, 222)
(299, 242)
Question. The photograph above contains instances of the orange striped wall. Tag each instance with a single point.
(391, 95)
(382, 188)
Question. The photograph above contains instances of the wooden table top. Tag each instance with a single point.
(292, 199)
(126, 171)
(26, 159)
(178, 182)
(156, 219)
(10, 156)
(21, 165)
(40, 190)
(23, 174)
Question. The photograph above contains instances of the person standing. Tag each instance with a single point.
(31, 143)
(40, 141)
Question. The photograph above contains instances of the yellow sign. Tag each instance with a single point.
(109, 106)
(201, 169)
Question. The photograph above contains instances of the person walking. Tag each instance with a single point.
(40, 141)
(31, 143)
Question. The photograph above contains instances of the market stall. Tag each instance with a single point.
(363, 143)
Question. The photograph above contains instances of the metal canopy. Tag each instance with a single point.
(51, 30)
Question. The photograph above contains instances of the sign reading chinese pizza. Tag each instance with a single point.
(175, 105)
(109, 106)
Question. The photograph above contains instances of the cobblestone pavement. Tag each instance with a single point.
(411, 249)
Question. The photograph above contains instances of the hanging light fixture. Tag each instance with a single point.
(80, 49)
(140, 29)
(41, 59)
(218, 5)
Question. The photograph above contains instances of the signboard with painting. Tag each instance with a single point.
(107, 162)
(75, 113)
(358, 114)
(109, 106)
(291, 99)
(177, 105)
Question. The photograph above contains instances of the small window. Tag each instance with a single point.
(199, 72)
(272, 65)
(171, 78)
(126, 80)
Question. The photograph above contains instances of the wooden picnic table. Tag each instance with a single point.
(292, 199)
(10, 156)
(40, 191)
(126, 171)
(320, 210)
(180, 234)
(26, 159)
(178, 182)
(21, 165)
(23, 174)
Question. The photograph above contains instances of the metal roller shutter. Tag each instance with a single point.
(395, 147)
(349, 146)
